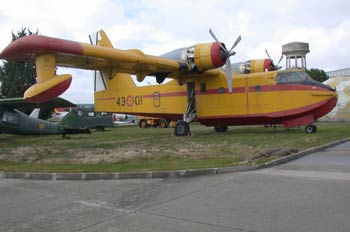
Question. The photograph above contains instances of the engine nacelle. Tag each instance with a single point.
(200, 57)
(208, 56)
(254, 66)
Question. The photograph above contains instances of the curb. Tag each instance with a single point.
(163, 174)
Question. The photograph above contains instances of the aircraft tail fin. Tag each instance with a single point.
(100, 39)
(100, 76)
(35, 113)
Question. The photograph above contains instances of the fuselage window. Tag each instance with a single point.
(203, 87)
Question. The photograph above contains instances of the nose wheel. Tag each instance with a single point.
(182, 128)
(310, 129)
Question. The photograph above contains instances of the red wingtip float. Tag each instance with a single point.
(48, 89)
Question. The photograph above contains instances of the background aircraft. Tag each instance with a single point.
(200, 91)
(14, 121)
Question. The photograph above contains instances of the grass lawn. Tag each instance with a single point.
(129, 148)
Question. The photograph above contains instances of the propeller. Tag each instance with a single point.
(227, 54)
(276, 67)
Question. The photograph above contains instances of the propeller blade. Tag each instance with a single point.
(280, 60)
(229, 75)
(216, 39)
(236, 42)
(267, 53)
(213, 35)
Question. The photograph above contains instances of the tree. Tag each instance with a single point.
(16, 77)
(317, 74)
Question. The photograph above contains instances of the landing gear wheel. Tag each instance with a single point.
(221, 128)
(314, 128)
(310, 129)
(182, 128)
(163, 123)
(143, 123)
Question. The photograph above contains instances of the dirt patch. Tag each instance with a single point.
(278, 152)
(139, 151)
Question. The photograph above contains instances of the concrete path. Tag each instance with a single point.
(308, 194)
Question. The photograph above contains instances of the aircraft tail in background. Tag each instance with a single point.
(100, 38)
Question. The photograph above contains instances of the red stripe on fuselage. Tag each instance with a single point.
(105, 99)
(285, 87)
(216, 91)
(236, 90)
(170, 94)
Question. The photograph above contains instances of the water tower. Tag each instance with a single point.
(295, 53)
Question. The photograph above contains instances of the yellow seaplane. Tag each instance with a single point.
(205, 86)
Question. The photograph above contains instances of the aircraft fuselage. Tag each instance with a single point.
(288, 97)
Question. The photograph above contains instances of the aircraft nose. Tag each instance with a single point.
(336, 95)
(332, 90)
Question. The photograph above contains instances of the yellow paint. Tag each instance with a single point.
(207, 105)
(123, 96)
(104, 41)
(202, 57)
(45, 65)
(45, 85)
(131, 61)
(123, 88)
(257, 66)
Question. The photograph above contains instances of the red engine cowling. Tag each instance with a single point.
(208, 56)
(200, 57)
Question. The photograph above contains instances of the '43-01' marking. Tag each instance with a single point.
(129, 101)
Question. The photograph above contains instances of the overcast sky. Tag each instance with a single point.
(158, 26)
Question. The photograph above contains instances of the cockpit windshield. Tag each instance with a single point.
(298, 77)
(292, 77)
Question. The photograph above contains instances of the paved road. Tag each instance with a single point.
(309, 194)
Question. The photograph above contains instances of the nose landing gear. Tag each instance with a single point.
(182, 128)
(310, 128)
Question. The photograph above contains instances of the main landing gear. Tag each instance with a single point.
(310, 128)
(182, 127)
(221, 128)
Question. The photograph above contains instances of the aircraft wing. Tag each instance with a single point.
(49, 52)
(19, 103)
(85, 56)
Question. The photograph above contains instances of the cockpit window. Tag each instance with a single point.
(288, 77)
(300, 77)
(305, 76)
